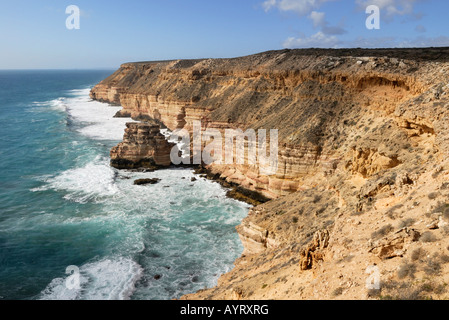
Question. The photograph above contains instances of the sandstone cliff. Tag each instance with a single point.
(143, 146)
(362, 178)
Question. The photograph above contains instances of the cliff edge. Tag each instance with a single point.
(361, 195)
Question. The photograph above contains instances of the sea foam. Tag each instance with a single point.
(98, 117)
(93, 182)
(107, 279)
(181, 229)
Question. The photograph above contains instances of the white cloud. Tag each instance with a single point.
(327, 36)
(391, 8)
(267, 5)
(318, 40)
(305, 7)
(375, 42)
(394, 42)
(302, 7)
(422, 42)
(318, 19)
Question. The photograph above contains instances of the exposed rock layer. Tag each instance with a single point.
(313, 97)
(143, 146)
(362, 178)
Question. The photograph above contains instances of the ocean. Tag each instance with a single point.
(62, 205)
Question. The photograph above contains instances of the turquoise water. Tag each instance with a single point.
(61, 204)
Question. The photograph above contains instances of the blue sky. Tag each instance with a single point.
(34, 35)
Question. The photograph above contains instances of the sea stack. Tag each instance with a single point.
(143, 146)
(362, 185)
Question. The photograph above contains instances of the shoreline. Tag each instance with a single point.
(145, 169)
(236, 191)
(362, 171)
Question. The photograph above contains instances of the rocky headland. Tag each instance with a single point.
(362, 185)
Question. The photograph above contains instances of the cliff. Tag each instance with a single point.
(362, 175)
(143, 146)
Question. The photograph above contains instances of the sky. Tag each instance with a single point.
(34, 33)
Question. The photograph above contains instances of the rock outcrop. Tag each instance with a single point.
(143, 146)
(143, 182)
(317, 99)
(363, 176)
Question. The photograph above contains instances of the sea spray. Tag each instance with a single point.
(63, 205)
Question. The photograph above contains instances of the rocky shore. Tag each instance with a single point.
(363, 176)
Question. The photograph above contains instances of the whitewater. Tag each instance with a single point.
(73, 209)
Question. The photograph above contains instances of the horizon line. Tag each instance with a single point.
(58, 69)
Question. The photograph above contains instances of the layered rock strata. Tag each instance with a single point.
(313, 97)
(363, 178)
(143, 146)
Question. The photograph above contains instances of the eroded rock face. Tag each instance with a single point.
(314, 252)
(319, 100)
(364, 144)
(395, 245)
(254, 238)
(368, 162)
(143, 146)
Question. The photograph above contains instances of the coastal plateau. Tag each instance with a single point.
(359, 205)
